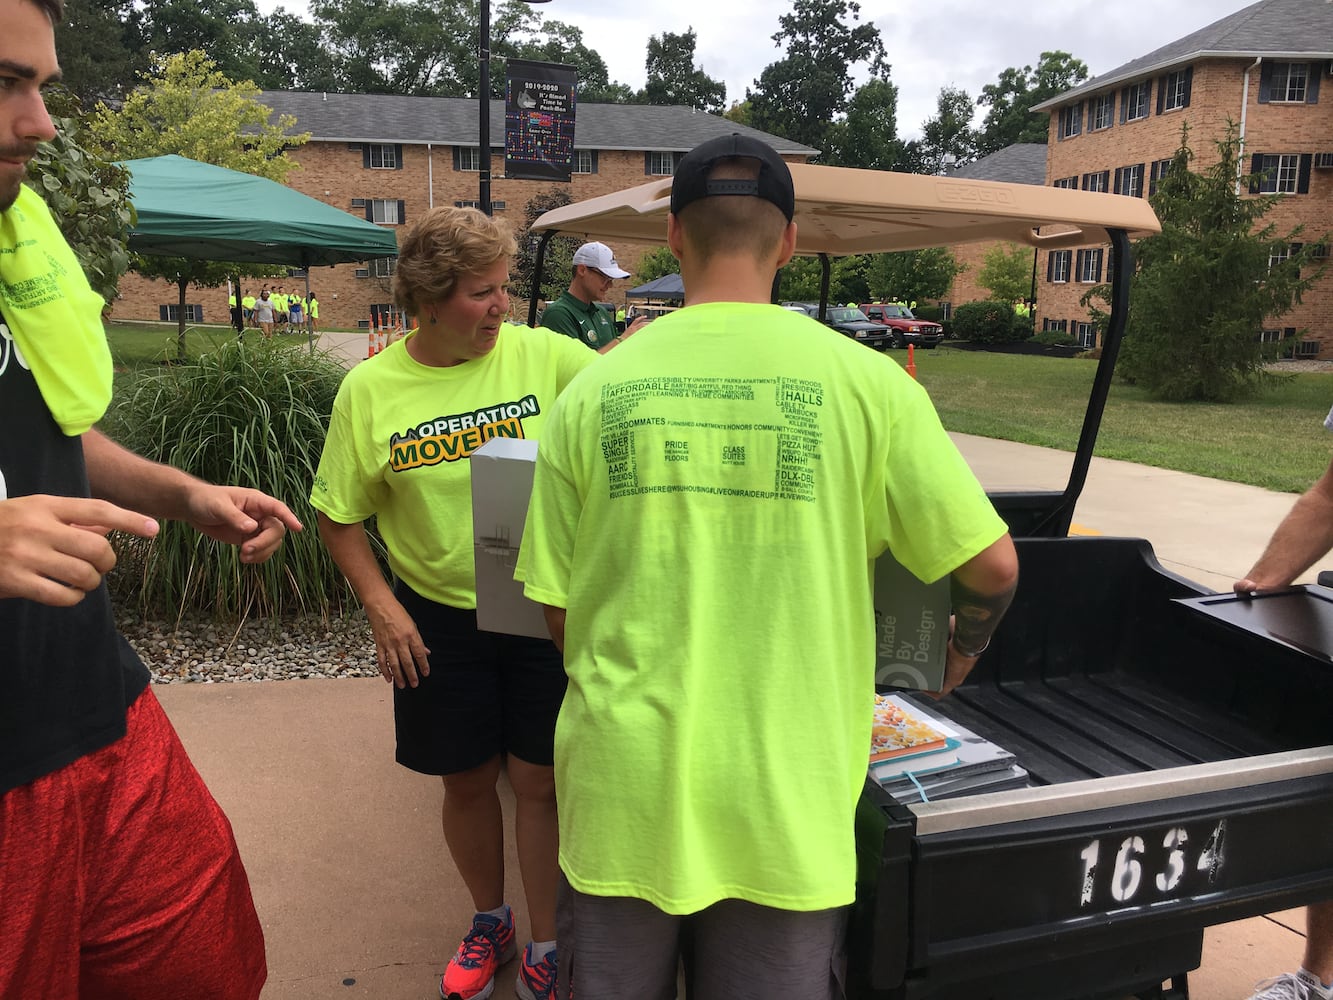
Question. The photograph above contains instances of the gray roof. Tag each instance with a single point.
(1296, 29)
(452, 121)
(1021, 163)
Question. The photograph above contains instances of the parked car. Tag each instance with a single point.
(907, 329)
(848, 321)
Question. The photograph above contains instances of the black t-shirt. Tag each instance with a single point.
(66, 675)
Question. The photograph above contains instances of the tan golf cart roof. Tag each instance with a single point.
(843, 210)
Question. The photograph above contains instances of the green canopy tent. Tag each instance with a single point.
(191, 209)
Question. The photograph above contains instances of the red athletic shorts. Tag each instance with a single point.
(120, 880)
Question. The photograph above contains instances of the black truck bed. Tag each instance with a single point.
(1182, 780)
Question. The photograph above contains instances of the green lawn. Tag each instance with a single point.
(1276, 440)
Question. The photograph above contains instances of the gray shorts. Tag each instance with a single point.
(617, 948)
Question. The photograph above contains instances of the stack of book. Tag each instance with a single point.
(917, 755)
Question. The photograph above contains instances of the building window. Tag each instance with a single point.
(385, 211)
(383, 157)
(1057, 325)
(1175, 92)
(469, 158)
(1289, 82)
(1279, 173)
(1156, 173)
(1134, 102)
(1102, 114)
(1270, 336)
(384, 267)
(1089, 266)
(659, 164)
(1071, 121)
(1071, 183)
(1086, 335)
(1097, 181)
(584, 162)
(1058, 264)
(1308, 349)
(1129, 181)
(194, 313)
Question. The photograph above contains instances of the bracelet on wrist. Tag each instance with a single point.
(970, 654)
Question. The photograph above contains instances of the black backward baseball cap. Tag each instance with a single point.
(691, 181)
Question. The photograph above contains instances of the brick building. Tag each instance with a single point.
(391, 158)
(1261, 68)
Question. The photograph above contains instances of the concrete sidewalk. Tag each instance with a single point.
(350, 874)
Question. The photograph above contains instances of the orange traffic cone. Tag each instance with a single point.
(911, 360)
(372, 339)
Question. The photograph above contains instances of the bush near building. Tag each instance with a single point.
(989, 322)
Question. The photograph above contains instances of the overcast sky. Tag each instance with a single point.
(964, 43)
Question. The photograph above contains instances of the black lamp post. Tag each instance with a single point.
(484, 122)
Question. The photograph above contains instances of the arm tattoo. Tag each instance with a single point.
(976, 615)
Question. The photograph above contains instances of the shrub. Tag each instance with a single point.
(989, 322)
(1054, 338)
(247, 415)
(934, 314)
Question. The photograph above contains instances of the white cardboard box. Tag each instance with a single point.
(501, 485)
(911, 627)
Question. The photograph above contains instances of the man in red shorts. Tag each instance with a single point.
(119, 875)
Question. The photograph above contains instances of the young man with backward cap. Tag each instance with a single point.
(730, 477)
(119, 874)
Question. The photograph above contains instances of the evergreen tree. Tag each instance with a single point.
(1207, 285)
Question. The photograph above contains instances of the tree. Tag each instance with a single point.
(947, 138)
(289, 54)
(1210, 282)
(101, 46)
(528, 37)
(558, 267)
(913, 275)
(87, 195)
(656, 263)
(674, 79)
(189, 108)
(848, 282)
(1006, 272)
(739, 112)
(1010, 100)
(222, 28)
(401, 46)
(868, 136)
(801, 94)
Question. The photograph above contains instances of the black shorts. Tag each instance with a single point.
(486, 694)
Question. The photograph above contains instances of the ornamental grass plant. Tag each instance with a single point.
(246, 414)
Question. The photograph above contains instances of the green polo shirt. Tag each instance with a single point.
(584, 321)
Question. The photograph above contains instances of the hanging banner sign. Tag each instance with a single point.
(539, 120)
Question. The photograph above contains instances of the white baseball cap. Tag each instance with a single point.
(599, 257)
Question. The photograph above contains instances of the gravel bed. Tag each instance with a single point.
(201, 651)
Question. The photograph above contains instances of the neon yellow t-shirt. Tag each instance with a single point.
(248, 302)
(399, 440)
(279, 302)
(708, 504)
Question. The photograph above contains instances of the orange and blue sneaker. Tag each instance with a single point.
(536, 980)
(470, 974)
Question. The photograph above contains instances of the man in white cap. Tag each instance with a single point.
(576, 313)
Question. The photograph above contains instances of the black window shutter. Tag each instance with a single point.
(370, 210)
(1116, 187)
(1124, 105)
(365, 156)
(1256, 165)
(1265, 82)
(1078, 264)
(1161, 93)
(402, 212)
(398, 155)
(1138, 181)
(1078, 117)
(1295, 249)
(162, 313)
(1189, 84)
(593, 157)
(1098, 275)
(1312, 85)
(648, 164)
(1086, 179)
(1050, 274)
(458, 158)
(1303, 178)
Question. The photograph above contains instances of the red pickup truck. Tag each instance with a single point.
(907, 329)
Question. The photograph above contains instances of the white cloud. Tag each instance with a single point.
(964, 43)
